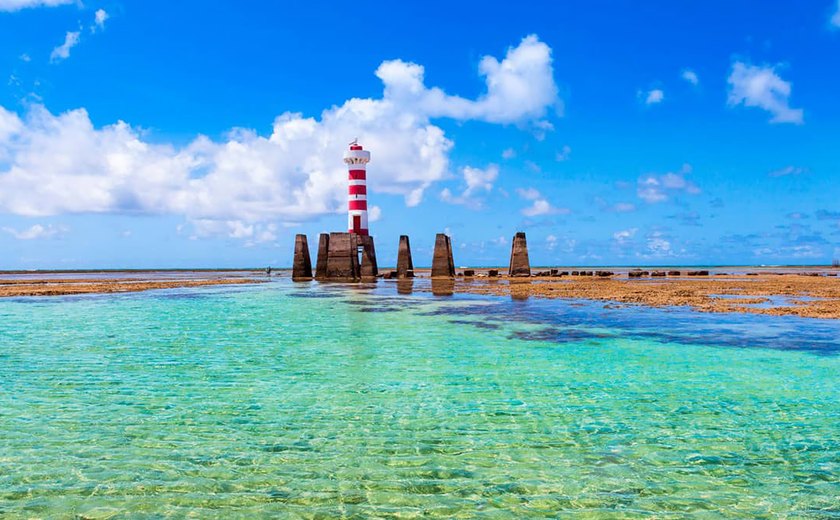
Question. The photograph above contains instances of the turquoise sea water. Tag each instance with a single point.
(312, 401)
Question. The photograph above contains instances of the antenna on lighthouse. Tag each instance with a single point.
(354, 142)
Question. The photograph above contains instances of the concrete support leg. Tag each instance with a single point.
(519, 263)
(405, 267)
(302, 264)
(368, 268)
(442, 264)
(323, 252)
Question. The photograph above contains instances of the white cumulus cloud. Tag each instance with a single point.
(539, 204)
(62, 52)
(625, 235)
(835, 18)
(654, 188)
(99, 19)
(16, 5)
(476, 181)
(787, 171)
(690, 76)
(37, 231)
(563, 154)
(61, 163)
(659, 246)
(520, 88)
(762, 87)
(654, 96)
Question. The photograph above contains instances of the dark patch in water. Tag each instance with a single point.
(378, 309)
(471, 310)
(300, 446)
(556, 335)
(569, 319)
(314, 295)
(477, 324)
(377, 302)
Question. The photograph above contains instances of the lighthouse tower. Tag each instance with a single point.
(356, 159)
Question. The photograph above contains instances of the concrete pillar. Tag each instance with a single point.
(368, 269)
(343, 258)
(323, 251)
(442, 264)
(519, 263)
(302, 265)
(405, 267)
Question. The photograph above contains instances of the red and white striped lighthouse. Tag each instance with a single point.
(356, 159)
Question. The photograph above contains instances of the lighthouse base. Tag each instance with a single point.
(346, 257)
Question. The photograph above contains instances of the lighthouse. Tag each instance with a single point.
(350, 256)
(356, 159)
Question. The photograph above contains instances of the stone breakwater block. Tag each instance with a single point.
(604, 274)
(635, 274)
(302, 264)
(674, 273)
(442, 264)
(323, 251)
(405, 266)
(368, 269)
(343, 258)
(469, 273)
(492, 273)
(519, 263)
(658, 274)
(698, 273)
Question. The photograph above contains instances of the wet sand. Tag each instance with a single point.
(792, 294)
(16, 287)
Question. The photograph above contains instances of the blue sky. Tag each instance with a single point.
(186, 134)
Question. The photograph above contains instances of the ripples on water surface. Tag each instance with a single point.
(312, 401)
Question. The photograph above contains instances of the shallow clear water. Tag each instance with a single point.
(338, 401)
